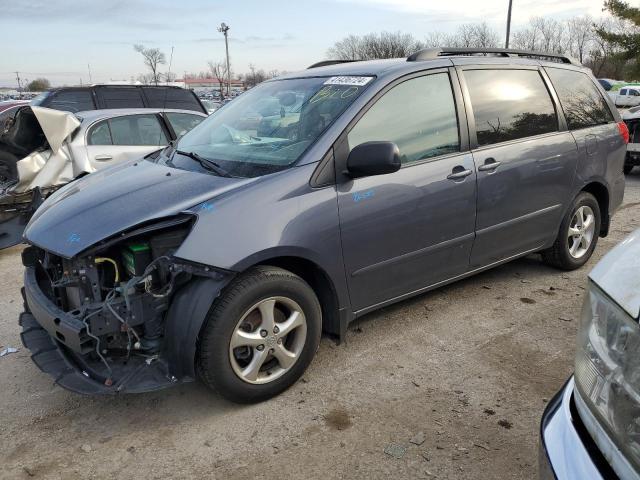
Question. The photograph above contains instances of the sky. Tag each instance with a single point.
(59, 39)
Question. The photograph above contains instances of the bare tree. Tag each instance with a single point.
(604, 58)
(543, 35)
(256, 76)
(474, 35)
(375, 45)
(145, 78)
(153, 58)
(436, 39)
(581, 35)
(218, 71)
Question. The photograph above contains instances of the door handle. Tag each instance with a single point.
(490, 164)
(459, 173)
(102, 158)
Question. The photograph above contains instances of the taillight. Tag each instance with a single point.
(624, 131)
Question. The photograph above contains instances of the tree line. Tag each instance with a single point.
(610, 46)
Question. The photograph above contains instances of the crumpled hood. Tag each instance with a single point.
(56, 125)
(26, 162)
(618, 274)
(117, 199)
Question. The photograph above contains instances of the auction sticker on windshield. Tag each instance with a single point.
(353, 81)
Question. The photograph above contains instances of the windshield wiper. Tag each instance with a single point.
(205, 163)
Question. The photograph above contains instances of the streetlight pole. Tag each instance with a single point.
(224, 28)
(506, 43)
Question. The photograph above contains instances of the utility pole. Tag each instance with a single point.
(19, 85)
(224, 29)
(89, 68)
(506, 43)
(169, 72)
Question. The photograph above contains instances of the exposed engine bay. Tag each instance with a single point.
(106, 309)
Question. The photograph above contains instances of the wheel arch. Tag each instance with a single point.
(600, 191)
(319, 281)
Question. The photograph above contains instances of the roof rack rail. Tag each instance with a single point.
(324, 63)
(433, 53)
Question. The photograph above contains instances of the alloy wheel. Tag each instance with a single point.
(268, 340)
(581, 231)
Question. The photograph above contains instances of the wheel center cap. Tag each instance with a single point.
(270, 341)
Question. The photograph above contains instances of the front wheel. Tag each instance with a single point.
(578, 234)
(260, 336)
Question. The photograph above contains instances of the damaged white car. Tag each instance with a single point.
(42, 149)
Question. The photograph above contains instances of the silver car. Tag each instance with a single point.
(42, 149)
(591, 429)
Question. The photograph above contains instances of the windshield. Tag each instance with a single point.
(269, 127)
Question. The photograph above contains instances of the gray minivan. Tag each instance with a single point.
(226, 255)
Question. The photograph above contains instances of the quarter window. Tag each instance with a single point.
(509, 104)
(581, 101)
(100, 134)
(183, 122)
(418, 115)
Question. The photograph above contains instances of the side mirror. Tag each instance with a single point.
(373, 158)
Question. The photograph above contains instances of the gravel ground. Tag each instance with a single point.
(464, 371)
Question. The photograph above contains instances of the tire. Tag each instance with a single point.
(238, 315)
(561, 255)
(627, 169)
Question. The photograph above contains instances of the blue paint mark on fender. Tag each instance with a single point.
(358, 196)
(206, 207)
(73, 238)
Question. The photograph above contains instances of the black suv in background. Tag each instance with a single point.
(97, 97)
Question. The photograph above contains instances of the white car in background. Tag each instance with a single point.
(626, 97)
(42, 149)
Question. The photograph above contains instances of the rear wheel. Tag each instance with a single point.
(578, 234)
(260, 336)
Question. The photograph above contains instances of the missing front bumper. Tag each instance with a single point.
(57, 342)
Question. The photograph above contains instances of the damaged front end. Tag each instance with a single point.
(101, 322)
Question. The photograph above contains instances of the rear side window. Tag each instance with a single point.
(418, 115)
(70, 101)
(173, 98)
(118, 97)
(581, 101)
(131, 130)
(183, 122)
(509, 104)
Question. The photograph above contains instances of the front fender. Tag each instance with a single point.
(185, 318)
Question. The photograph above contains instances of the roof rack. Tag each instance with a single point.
(433, 53)
(324, 63)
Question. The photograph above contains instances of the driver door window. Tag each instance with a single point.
(418, 115)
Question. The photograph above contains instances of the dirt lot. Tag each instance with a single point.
(470, 367)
